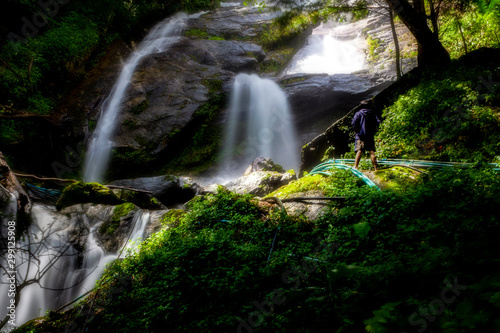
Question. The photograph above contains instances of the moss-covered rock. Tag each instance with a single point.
(110, 226)
(140, 199)
(396, 178)
(81, 192)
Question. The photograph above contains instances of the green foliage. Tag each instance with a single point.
(479, 29)
(34, 65)
(287, 27)
(429, 232)
(192, 6)
(450, 116)
(80, 192)
(380, 260)
(373, 45)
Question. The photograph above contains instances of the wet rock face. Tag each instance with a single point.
(110, 234)
(234, 22)
(168, 88)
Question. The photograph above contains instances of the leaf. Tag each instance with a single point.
(362, 229)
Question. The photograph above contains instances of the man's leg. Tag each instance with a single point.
(358, 158)
(374, 159)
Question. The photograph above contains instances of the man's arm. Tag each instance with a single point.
(355, 123)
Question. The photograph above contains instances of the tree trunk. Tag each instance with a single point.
(434, 18)
(396, 44)
(431, 51)
(464, 42)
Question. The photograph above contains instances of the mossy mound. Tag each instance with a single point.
(340, 183)
(396, 178)
(81, 192)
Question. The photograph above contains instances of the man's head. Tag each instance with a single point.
(365, 103)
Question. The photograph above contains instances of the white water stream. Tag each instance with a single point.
(161, 37)
(328, 50)
(260, 124)
(46, 257)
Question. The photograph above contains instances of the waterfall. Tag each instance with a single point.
(259, 124)
(326, 53)
(158, 40)
(48, 245)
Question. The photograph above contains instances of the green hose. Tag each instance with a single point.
(324, 168)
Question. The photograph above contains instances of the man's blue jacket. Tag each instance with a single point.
(365, 123)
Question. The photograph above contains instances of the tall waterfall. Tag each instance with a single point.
(158, 40)
(259, 124)
(47, 257)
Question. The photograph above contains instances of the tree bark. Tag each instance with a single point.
(396, 44)
(430, 50)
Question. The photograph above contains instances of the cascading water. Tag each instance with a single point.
(158, 40)
(46, 256)
(325, 53)
(259, 124)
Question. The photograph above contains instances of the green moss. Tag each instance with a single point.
(80, 192)
(122, 210)
(131, 124)
(109, 227)
(396, 178)
(288, 81)
(195, 32)
(201, 34)
(214, 85)
(140, 199)
(197, 147)
(341, 182)
(141, 107)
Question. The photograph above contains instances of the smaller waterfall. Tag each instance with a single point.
(46, 247)
(140, 221)
(325, 53)
(158, 40)
(259, 124)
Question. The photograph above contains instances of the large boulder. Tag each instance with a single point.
(260, 183)
(80, 192)
(169, 190)
(263, 164)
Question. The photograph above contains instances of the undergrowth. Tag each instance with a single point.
(420, 258)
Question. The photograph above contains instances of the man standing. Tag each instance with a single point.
(365, 123)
